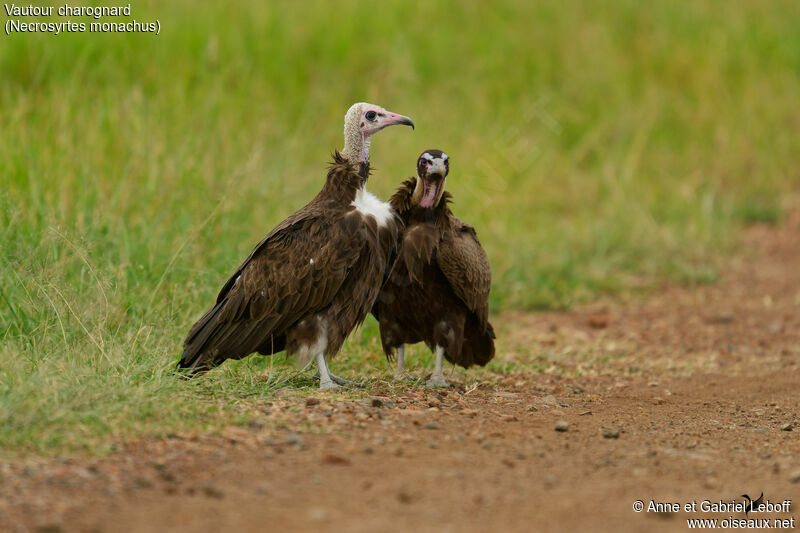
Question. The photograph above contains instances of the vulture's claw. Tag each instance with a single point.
(338, 381)
(437, 381)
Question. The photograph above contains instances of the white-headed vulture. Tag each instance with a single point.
(437, 291)
(314, 277)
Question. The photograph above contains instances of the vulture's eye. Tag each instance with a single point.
(370, 115)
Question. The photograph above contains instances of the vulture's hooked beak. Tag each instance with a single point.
(436, 167)
(394, 118)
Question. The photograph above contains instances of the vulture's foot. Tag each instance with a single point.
(329, 385)
(337, 381)
(437, 381)
(342, 381)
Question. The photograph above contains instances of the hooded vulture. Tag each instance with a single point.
(315, 276)
(437, 290)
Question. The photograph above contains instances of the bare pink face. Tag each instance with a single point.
(374, 118)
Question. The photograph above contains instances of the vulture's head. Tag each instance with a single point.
(364, 120)
(432, 169)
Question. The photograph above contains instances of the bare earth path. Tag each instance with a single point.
(691, 394)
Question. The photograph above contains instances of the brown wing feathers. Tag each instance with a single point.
(294, 272)
(275, 288)
(416, 250)
(465, 265)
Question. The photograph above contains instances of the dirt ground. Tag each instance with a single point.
(691, 394)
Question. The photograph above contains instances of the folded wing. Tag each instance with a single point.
(294, 272)
(464, 263)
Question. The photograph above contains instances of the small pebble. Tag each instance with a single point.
(256, 424)
(787, 427)
(598, 321)
(295, 440)
(368, 403)
(167, 476)
(332, 459)
(794, 477)
(548, 400)
(611, 433)
(432, 425)
(212, 491)
(562, 425)
(142, 483)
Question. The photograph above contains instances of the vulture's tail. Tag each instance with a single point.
(212, 340)
(478, 346)
(196, 355)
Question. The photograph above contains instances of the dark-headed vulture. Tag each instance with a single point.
(437, 290)
(316, 275)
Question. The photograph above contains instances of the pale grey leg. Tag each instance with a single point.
(325, 380)
(400, 353)
(437, 378)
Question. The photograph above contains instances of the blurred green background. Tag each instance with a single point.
(597, 147)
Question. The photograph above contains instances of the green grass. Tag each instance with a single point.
(597, 146)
